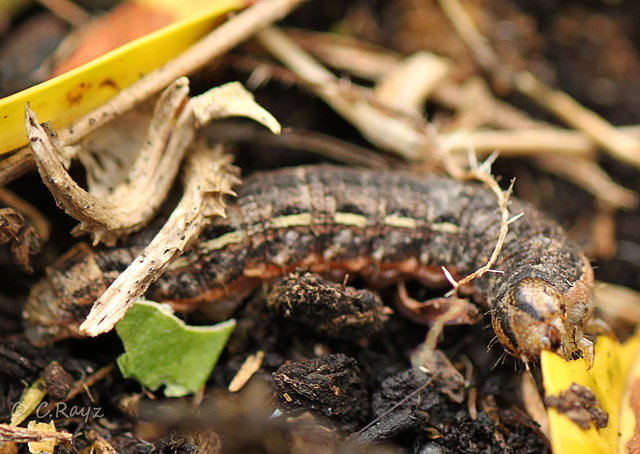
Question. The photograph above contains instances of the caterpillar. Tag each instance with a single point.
(386, 226)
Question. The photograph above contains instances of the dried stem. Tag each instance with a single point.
(68, 11)
(521, 142)
(207, 179)
(620, 145)
(25, 435)
(69, 196)
(411, 82)
(378, 122)
(16, 165)
(557, 149)
(373, 63)
(591, 177)
(476, 42)
(135, 201)
(250, 366)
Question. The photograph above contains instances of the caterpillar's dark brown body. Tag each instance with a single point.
(383, 225)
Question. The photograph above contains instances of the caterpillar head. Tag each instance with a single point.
(533, 316)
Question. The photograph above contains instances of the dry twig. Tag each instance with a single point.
(620, 145)
(411, 82)
(26, 435)
(250, 366)
(360, 59)
(520, 142)
(523, 136)
(379, 123)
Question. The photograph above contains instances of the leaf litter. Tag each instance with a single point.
(400, 128)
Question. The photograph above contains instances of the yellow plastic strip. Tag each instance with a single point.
(67, 97)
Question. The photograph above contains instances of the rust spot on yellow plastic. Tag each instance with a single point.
(74, 96)
(109, 82)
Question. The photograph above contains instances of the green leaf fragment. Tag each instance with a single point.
(161, 349)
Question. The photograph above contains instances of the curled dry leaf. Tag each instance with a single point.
(23, 238)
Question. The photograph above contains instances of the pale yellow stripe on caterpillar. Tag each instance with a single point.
(223, 240)
(355, 220)
(400, 221)
(291, 220)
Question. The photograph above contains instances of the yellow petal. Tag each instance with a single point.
(607, 380)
